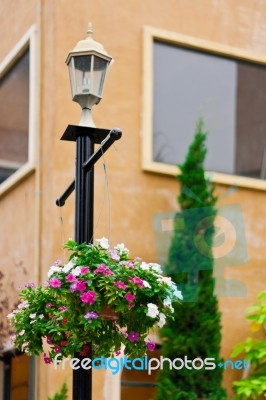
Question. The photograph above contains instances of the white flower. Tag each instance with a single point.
(21, 333)
(162, 320)
(146, 284)
(76, 271)
(25, 344)
(32, 316)
(41, 316)
(11, 315)
(68, 266)
(144, 266)
(156, 267)
(32, 322)
(121, 248)
(165, 279)
(53, 269)
(24, 304)
(177, 293)
(152, 310)
(103, 243)
(168, 303)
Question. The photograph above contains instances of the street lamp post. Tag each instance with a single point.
(87, 63)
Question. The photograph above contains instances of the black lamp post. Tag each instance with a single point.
(87, 63)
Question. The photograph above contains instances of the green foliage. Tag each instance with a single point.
(62, 395)
(254, 351)
(196, 331)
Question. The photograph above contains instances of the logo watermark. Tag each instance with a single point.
(116, 364)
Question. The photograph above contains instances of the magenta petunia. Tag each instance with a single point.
(130, 297)
(63, 308)
(133, 336)
(84, 270)
(120, 284)
(49, 305)
(55, 283)
(88, 297)
(81, 286)
(70, 278)
(103, 269)
(137, 281)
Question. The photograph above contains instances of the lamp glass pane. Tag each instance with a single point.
(81, 80)
(99, 71)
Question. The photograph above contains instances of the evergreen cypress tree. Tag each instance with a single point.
(196, 330)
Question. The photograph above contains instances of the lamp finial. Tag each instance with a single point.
(90, 30)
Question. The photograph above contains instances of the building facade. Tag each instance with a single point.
(144, 38)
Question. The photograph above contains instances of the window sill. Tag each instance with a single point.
(16, 178)
(217, 177)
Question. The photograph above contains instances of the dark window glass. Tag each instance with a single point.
(14, 117)
(229, 94)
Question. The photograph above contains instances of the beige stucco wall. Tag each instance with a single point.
(31, 224)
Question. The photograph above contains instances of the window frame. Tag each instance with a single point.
(28, 41)
(150, 35)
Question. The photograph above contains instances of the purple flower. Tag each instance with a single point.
(91, 315)
(57, 349)
(88, 297)
(150, 345)
(57, 262)
(46, 359)
(30, 284)
(84, 270)
(73, 287)
(70, 278)
(133, 336)
(120, 284)
(55, 282)
(49, 340)
(130, 297)
(63, 308)
(81, 286)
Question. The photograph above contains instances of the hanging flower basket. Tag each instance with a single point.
(100, 296)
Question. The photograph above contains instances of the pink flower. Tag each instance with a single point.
(103, 269)
(70, 278)
(81, 286)
(63, 308)
(49, 305)
(133, 336)
(55, 283)
(84, 270)
(57, 262)
(120, 285)
(46, 359)
(118, 352)
(88, 297)
(130, 297)
(150, 345)
(137, 281)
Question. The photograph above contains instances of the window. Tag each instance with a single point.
(138, 384)
(18, 376)
(185, 78)
(18, 111)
